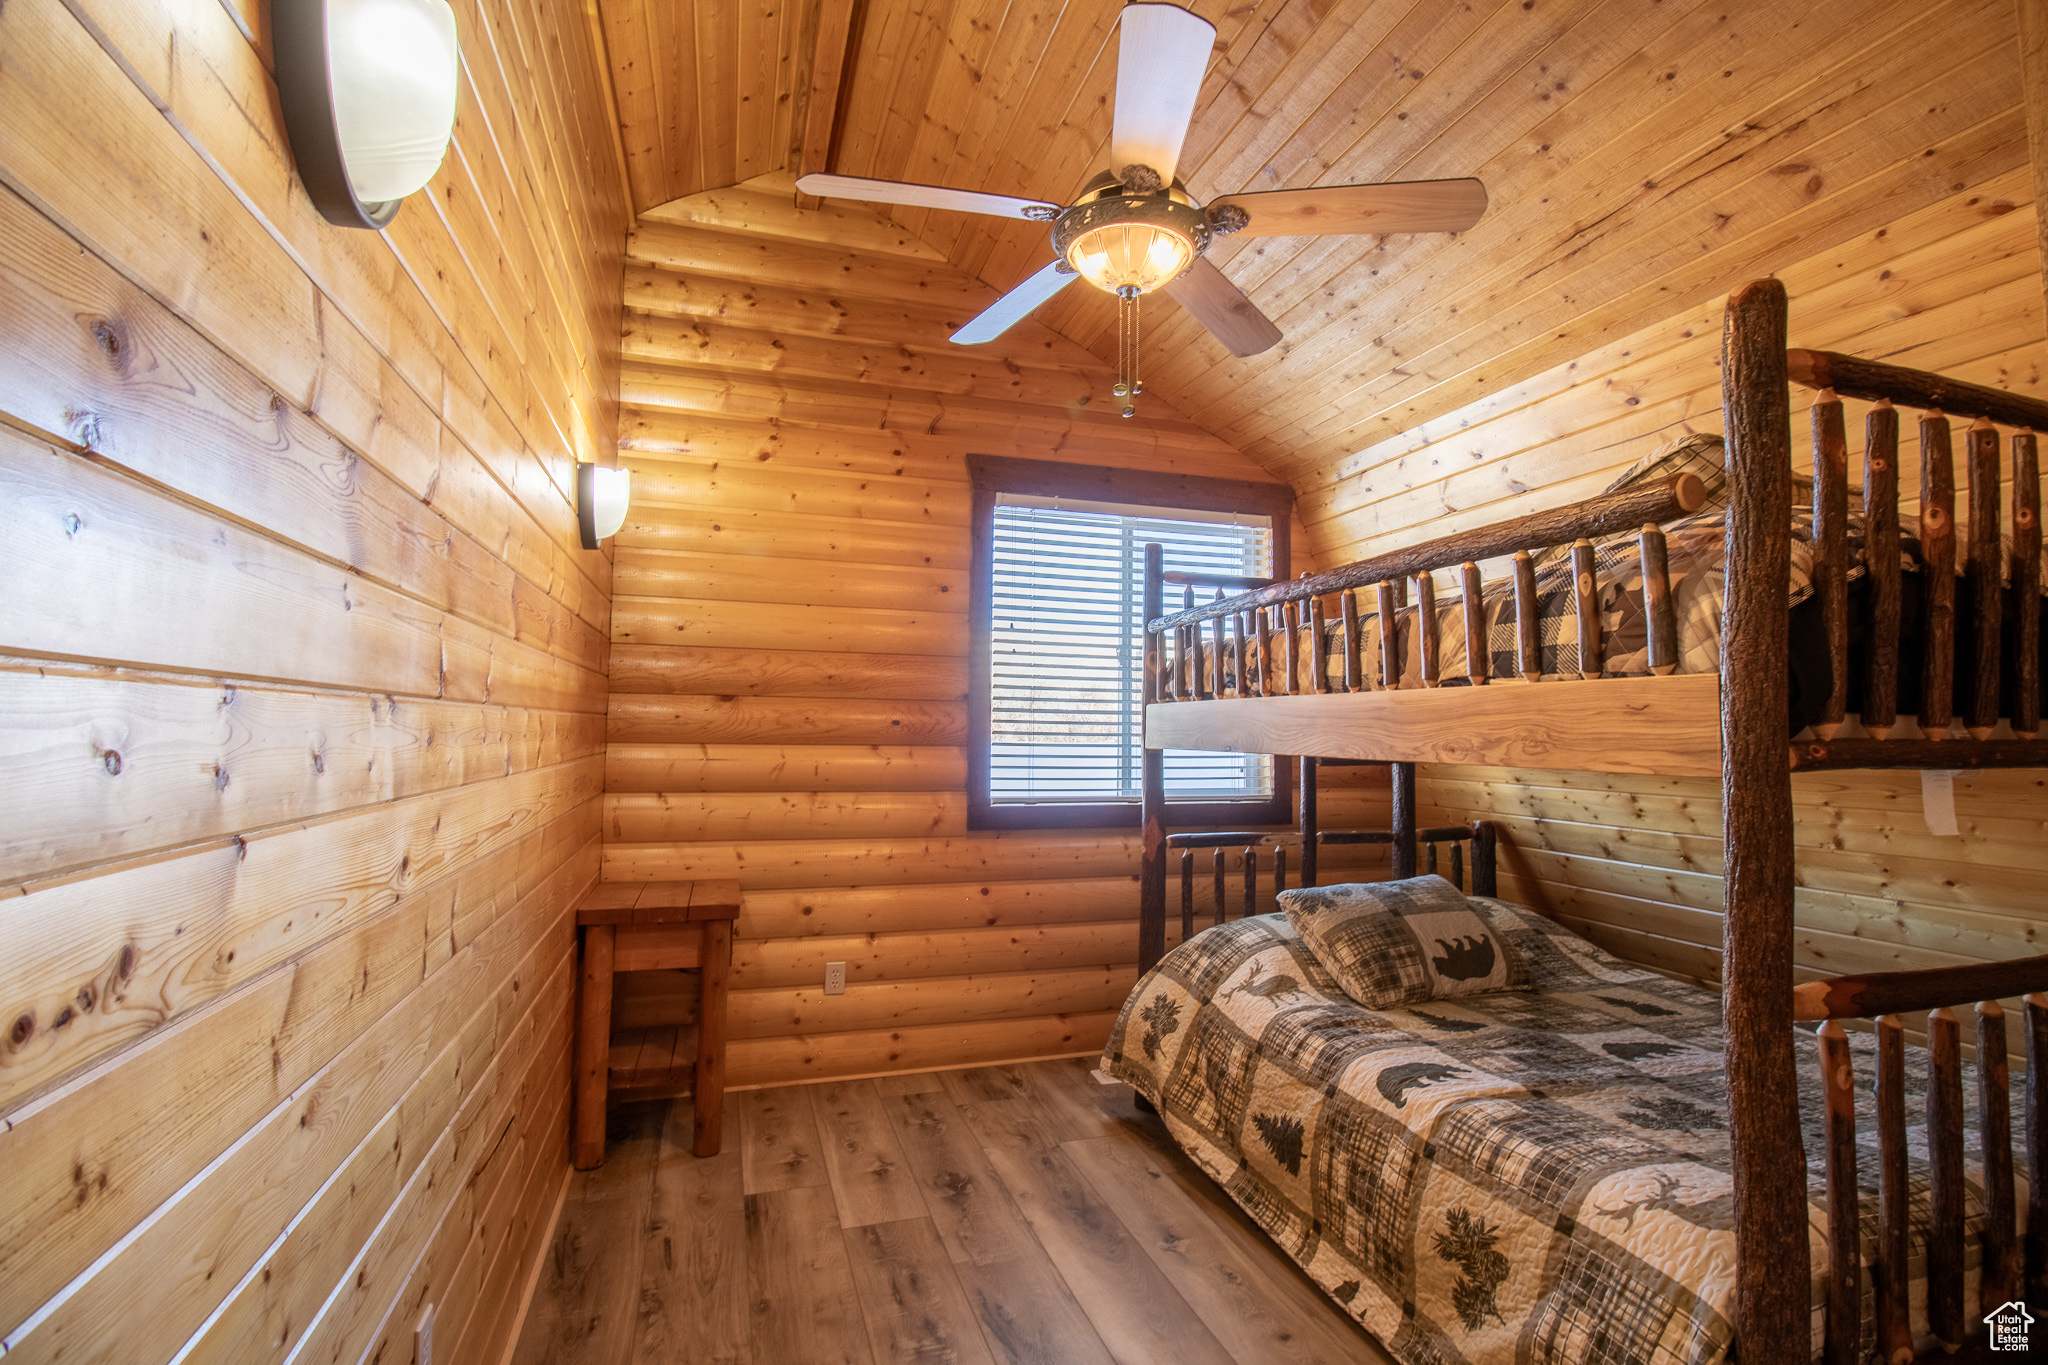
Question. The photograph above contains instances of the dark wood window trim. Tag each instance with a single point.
(992, 475)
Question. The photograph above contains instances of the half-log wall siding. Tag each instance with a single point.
(301, 691)
(1634, 862)
(789, 665)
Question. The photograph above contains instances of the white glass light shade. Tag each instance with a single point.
(392, 70)
(602, 497)
(1140, 256)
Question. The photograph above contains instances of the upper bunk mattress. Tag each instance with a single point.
(1538, 1176)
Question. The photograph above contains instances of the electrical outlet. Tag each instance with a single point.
(423, 1338)
(835, 978)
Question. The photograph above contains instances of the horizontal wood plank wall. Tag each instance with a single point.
(302, 686)
(789, 664)
(1635, 862)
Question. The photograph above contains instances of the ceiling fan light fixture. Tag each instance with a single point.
(1126, 243)
(1138, 257)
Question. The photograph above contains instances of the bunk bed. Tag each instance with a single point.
(1229, 674)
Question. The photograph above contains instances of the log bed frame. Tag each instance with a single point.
(1250, 695)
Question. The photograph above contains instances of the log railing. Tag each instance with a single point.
(2006, 1271)
(1985, 569)
(1193, 655)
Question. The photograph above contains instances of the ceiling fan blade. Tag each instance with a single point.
(1162, 55)
(1222, 307)
(923, 196)
(1404, 206)
(1012, 308)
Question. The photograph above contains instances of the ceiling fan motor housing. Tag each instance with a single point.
(1086, 235)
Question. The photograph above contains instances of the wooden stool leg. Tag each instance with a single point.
(710, 1087)
(593, 1047)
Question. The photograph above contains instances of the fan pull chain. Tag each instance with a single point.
(1128, 384)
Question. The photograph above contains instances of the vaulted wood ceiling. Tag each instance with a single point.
(1641, 156)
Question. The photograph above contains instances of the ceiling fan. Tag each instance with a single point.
(1135, 228)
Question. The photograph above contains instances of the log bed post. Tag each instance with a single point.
(1219, 678)
(1403, 821)
(1586, 607)
(1986, 578)
(1306, 765)
(1831, 551)
(1528, 642)
(2034, 1262)
(1476, 654)
(1881, 523)
(1425, 628)
(1756, 807)
(1290, 647)
(1264, 647)
(1661, 626)
(2026, 583)
(1152, 803)
(1390, 637)
(1318, 664)
(1938, 554)
(1354, 676)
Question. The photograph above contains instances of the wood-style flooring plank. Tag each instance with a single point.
(916, 1312)
(799, 1282)
(1026, 1312)
(583, 1309)
(968, 1205)
(871, 1178)
(1028, 1316)
(779, 1147)
(1253, 1304)
(976, 1084)
(1134, 1307)
(693, 1262)
(1077, 1105)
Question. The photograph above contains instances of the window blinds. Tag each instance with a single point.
(1065, 658)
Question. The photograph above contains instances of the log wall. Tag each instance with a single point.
(301, 691)
(1635, 862)
(789, 665)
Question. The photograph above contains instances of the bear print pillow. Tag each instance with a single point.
(1400, 943)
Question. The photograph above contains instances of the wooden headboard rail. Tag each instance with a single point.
(1248, 844)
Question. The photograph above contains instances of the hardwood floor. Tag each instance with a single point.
(1007, 1215)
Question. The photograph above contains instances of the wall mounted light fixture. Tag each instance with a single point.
(602, 497)
(368, 88)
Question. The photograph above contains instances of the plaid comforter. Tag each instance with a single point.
(1509, 1177)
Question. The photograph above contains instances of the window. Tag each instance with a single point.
(1057, 737)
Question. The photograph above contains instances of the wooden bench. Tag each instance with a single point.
(650, 926)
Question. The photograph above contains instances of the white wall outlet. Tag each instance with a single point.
(835, 978)
(423, 1338)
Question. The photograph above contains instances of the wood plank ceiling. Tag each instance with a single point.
(1641, 156)
(709, 92)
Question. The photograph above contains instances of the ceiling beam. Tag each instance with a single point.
(831, 64)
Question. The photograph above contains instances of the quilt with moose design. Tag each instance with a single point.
(1524, 1176)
